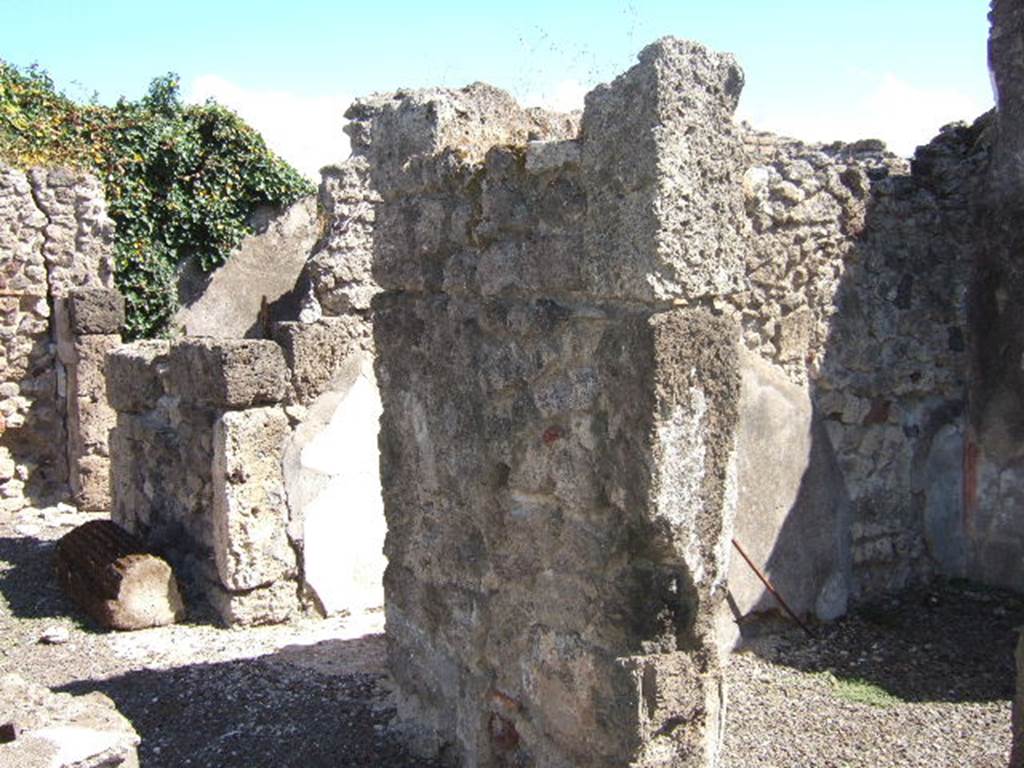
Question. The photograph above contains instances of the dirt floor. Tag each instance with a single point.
(923, 678)
(311, 694)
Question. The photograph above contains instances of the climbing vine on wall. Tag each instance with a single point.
(180, 180)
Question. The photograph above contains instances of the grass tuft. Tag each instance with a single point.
(858, 691)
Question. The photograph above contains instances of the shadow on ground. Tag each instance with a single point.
(27, 584)
(949, 641)
(311, 706)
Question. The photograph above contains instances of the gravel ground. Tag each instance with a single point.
(312, 694)
(924, 678)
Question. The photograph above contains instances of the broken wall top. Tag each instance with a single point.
(393, 128)
(1006, 65)
(645, 205)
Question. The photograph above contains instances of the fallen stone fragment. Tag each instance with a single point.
(108, 573)
(9, 732)
(58, 730)
(54, 636)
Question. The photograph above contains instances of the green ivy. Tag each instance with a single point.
(181, 181)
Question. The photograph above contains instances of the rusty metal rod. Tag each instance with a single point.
(773, 590)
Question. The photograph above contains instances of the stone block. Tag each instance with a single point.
(96, 311)
(89, 424)
(250, 509)
(315, 351)
(58, 730)
(663, 166)
(273, 604)
(264, 267)
(90, 366)
(90, 483)
(472, 120)
(227, 373)
(134, 375)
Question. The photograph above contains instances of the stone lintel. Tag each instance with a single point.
(227, 373)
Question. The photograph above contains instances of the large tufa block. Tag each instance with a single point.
(470, 120)
(95, 311)
(316, 351)
(273, 604)
(90, 483)
(424, 150)
(255, 562)
(87, 370)
(227, 373)
(662, 164)
(134, 374)
(250, 511)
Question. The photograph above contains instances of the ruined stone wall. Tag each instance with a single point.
(231, 457)
(197, 454)
(55, 239)
(856, 287)
(557, 439)
(892, 387)
(993, 524)
(516, 276)
(252, 465)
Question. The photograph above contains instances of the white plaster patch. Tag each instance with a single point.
(344, 523)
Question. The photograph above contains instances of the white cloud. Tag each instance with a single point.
(900, 113)
(305, 131)
(563, 96)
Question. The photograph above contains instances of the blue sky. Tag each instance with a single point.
(818, 70)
